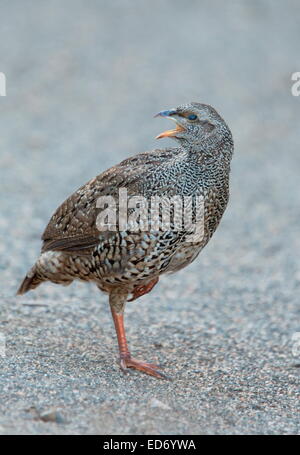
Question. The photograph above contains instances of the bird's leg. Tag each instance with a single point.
(143, 289)
(117, 304)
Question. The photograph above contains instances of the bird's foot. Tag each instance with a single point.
(143, 289)
(149, 368)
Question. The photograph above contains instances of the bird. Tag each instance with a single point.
(125, 256)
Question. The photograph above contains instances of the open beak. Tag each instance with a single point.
(170, 133)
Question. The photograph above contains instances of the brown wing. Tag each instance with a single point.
(73, 226)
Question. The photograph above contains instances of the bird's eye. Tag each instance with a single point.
(192, 117)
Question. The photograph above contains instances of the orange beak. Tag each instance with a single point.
(170, 133)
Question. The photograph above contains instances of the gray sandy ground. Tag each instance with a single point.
(83, 82)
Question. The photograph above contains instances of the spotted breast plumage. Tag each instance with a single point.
(122, 230)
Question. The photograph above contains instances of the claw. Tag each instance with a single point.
(148, 368)
(143, 289)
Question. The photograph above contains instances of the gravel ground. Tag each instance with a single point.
(83, 82)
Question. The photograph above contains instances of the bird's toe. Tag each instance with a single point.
(151, 369)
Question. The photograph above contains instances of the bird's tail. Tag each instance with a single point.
(31, 281)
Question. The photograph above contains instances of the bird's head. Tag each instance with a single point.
(195, 123)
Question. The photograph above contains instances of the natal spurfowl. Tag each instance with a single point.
(115, 230)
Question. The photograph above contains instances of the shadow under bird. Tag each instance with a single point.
(126, 263)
